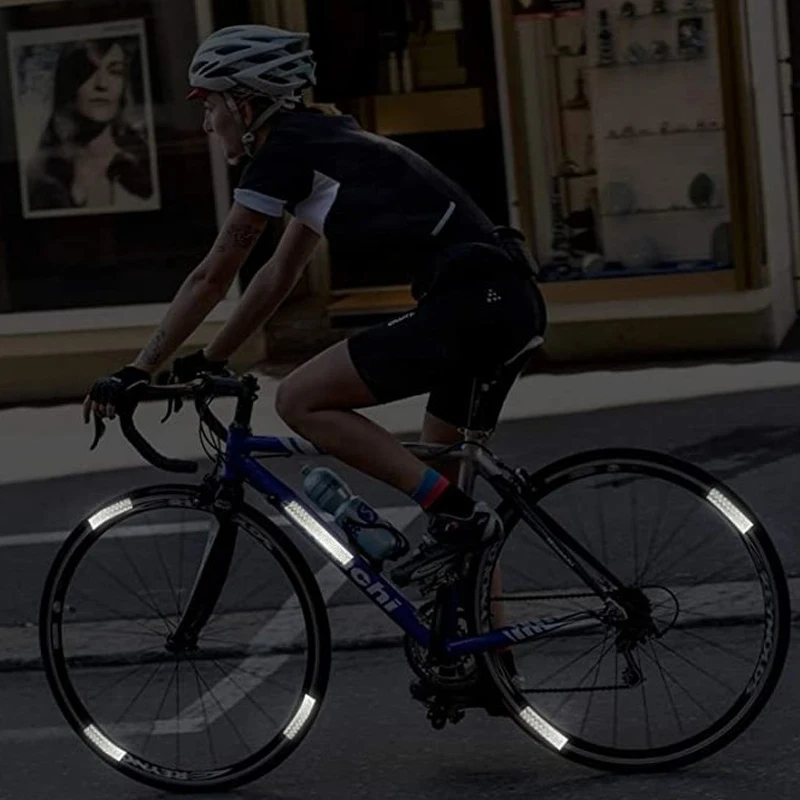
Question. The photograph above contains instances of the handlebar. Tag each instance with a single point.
(204, 387)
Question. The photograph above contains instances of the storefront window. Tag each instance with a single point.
(626, 137)
(106, 195)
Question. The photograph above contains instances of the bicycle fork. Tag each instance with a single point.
(211, 575)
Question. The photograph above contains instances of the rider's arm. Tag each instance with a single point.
(206, 287)
(268, 289)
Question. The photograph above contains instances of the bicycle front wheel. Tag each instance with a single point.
(681, 657)
(209, 716)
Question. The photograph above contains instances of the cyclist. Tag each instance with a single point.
(477, 302)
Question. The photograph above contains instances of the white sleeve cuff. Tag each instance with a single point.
(261, 203)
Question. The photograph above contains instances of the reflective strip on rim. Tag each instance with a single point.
(300, 718)
(102, 743)
(109, 513)
(728, 509)
(543, 728)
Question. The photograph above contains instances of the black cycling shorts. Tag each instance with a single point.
(476, 317)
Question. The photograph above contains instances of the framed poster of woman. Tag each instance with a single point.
(84, 119)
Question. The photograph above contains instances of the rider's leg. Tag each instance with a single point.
(318, 401)
(437, 431)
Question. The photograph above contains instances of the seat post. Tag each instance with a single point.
(467, 472)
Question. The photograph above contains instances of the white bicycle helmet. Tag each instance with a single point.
(246, 61)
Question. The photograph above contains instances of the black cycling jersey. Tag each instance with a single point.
(367, 194)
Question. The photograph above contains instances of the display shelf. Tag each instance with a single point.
(645, 212)
(656, 134)
(649, 63)
(641, 16)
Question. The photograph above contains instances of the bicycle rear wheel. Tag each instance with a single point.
(706, 600)
(209, 717)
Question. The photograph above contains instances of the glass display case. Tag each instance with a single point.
(627, 140)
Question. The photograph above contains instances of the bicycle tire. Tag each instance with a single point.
(775, 642)
(310, 601)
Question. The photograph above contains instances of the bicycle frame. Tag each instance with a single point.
(239, 465)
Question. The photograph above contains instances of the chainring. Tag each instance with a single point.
(454, 676)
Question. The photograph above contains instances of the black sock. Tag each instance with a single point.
(452, 501)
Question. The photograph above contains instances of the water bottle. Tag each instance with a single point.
(373, 535)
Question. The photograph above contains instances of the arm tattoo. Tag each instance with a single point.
(240, 236)
(153, 355)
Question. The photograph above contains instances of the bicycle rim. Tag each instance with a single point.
(716, 594)
(210, 718)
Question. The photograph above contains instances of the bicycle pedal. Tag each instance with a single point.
(442, 709)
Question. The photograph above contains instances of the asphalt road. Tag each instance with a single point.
(371, 740)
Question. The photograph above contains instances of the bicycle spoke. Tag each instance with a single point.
(245, 694)
(667, 689)
(155, 605)
(670, 538)
(579, 523)
(178, 712)
(152, 631)
(727, 650)
(615, 726)
(132, 593)
(564, 667)
(207, 727)
(634, 527)
(603, 532)
(158, 713)
(114, 683)
(138, 694)
(591, 696)
(648, 732)
(181, 541)
(701, 670)
(273, 680)
(682, 688)
(712, 576)
(686, 553)
(653, 538)
(250, 594)
(166, 575)
(580, 682)
(224, 713)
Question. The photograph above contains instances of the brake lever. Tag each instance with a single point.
(169, 411)
(99, 431)
(174, 405)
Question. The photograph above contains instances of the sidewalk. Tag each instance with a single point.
(41, 443)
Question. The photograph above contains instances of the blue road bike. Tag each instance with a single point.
(186, 637)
